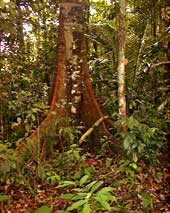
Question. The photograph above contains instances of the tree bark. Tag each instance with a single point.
(121, 60)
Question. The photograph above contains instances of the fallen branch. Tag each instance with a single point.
(91, 129)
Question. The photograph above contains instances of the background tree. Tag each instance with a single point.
(121, 60)
(29, 74)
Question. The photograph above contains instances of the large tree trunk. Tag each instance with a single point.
(72, 95)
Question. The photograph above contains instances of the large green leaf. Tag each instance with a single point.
(106, 196)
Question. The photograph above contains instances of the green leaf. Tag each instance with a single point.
(88, 187)
(105, 189)
(127, 141)
(76, 154)
(106, 194)
(89, 171)
(76, 205)
(110, 197)
(147, 201)
(78, 175)
(80, 196)
(78, 189)
(86, 208)
(43, 209)
(134, 166)
(67, 196)
(66, 183)
(102, 200)
(83, 179)
(96, 186)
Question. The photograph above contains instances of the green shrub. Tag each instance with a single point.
(141, 141)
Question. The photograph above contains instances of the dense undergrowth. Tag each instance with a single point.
(129, 175)
(104, 178)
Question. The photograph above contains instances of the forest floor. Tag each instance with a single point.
(136, 187)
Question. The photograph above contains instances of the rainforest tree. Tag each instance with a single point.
(72, 94)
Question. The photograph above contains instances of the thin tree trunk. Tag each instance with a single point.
(121, 60)
(20, 32)
(138, 60)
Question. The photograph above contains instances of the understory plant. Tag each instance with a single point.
(146, 201)
(140, 140)
(8, 162)
(131, 169)
(89, 196)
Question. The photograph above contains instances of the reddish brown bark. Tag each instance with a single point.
(72, 94)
